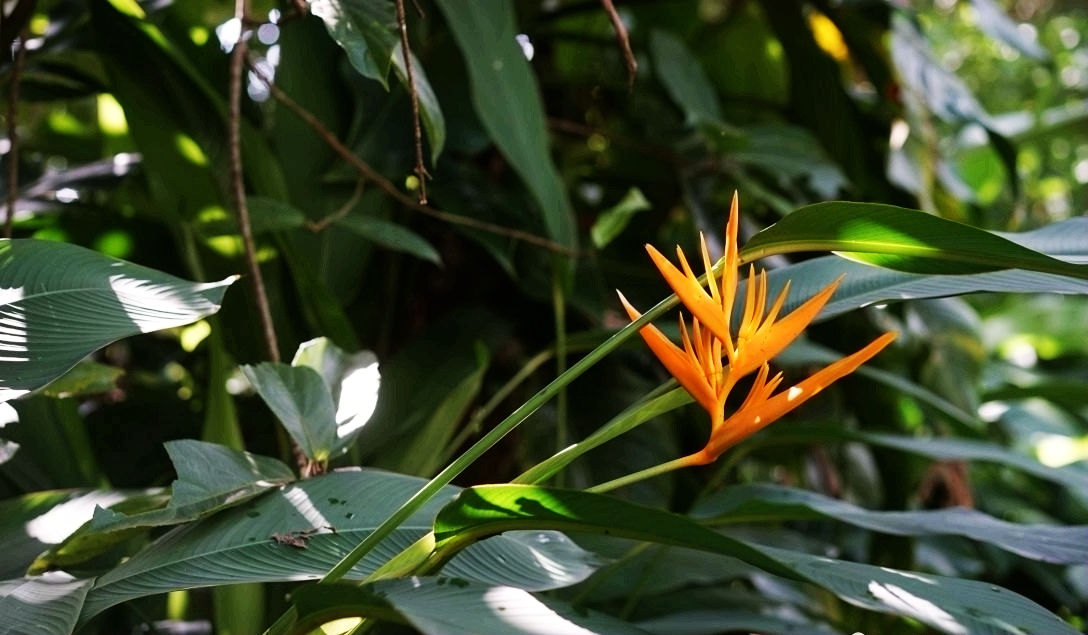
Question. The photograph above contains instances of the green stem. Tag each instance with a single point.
(490, 439)
(662, 399)
(684, 461)
(559, 307)
(443, 478)
(473, 425)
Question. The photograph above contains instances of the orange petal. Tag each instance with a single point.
(729, 268)
(747, 421)
(691, 294)
(675, 360)
(772, 339)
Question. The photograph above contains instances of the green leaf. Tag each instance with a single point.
(740, 620)
(270, 215)
(211, 477)
(353, 381)
(901, 239)
(613, 220)
(367, 31)
(301, 401)
(452, 606)
(87, 377)
(84, 544)
(765, 502)
(339, 508)
(684, 79)
(1072, 477)
(61, 302)
(391, 236)
(34, 522)
(43, 605)
(948, 605)
(790, 154)
(508, 102)
(55, 444)
(865, 285)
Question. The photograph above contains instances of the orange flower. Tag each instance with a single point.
(712, 359)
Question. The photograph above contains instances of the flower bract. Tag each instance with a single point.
(713, 356)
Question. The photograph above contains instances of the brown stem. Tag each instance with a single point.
(623, 41)
(370, 174)
(319, 226)
(237, 62)
(13, 133)
(406, 54)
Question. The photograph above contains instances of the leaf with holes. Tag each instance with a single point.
(328, 515)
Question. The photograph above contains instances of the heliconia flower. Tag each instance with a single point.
(712, 358)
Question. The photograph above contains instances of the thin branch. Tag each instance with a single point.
(237, 62)
(406, 54)
(623, 41)
(320, 225)
(370, 174)
(13, 133)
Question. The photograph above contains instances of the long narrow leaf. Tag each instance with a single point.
(901, 239)
(948, 605)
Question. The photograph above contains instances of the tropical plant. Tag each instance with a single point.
(468, 437)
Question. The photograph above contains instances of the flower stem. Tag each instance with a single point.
(649, 472)
(490, 439)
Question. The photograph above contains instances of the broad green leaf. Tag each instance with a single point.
(1071, 477)
(34, 522)
(765, 502)
(790, 154)
(901, 239)
(301, 401)
(507, 99)
(741, 620)
(211, 477)
(453, 606)
(653, 570)
(391, 236)
(353, 382)
(84, 544)
(948, 605)
(684, 79)
(61, 302)
(87, 377)
(338, 509)
(614, 220)
(367, 31)
(43, 605)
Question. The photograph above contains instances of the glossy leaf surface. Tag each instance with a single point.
(60, 302)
